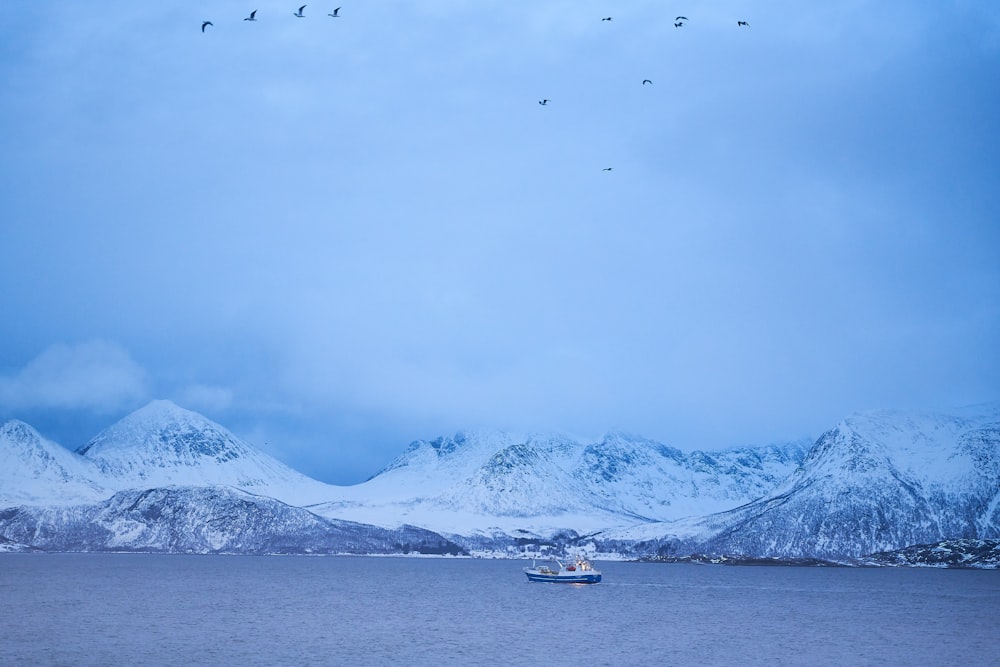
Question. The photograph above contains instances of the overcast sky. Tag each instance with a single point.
(337, 235)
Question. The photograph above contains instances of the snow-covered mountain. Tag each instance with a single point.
(162, 444)
(213, 519)
(33, 470)
(164, 478)
(477, 482)
(485, 482)
(660, 483)
(876, 482)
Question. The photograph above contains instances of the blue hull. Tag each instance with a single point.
(591, 578)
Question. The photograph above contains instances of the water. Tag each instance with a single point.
(117, 609)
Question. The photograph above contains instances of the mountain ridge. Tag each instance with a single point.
(859, 492)
(875, 482)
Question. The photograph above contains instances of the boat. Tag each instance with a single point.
(580, 572)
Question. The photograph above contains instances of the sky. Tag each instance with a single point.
(335, 236)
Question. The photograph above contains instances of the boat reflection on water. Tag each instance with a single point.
(580, 572)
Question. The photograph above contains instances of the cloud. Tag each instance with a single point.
(96, 375)
(800, 222)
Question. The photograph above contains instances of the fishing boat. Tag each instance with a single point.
(580, 572)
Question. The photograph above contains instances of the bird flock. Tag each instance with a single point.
(679, 22)
(298, 13)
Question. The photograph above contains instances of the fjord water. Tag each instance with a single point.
(132, 609)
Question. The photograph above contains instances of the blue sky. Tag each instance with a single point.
(334, 236)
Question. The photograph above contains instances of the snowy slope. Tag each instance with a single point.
(36, 471)
(477, 482)
(162, 444)
(485, 482)
(204, 520)
(878, 481)
(658, 483)
(962, 553)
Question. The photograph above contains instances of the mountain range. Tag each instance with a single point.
(168, 479)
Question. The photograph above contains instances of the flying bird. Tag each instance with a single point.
(679, 24)
(252, 16)
(739, 23)
(543, 102)
(606, 19)
(645, 81)
(204, 24)
(335, 13)
(682, 18)
(607, 169)
(299, 13)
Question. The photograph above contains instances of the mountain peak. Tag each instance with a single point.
(36, 470)
(475, 446)
(16, 430)
(163, 436)
(164, 428)
(164, 444)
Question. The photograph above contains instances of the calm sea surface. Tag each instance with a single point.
(115, 609)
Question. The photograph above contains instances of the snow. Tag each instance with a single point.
(35, 470)
(547, 483)
(162, 444)
(876, 481)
